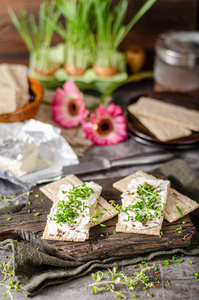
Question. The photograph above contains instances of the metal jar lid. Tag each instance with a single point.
(179, 48)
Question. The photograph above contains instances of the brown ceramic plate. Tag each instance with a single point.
(30, 110)
(138, 132)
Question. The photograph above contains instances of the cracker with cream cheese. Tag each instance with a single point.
(70, 215)
(175, 198)
(105, 210)
(143, 205)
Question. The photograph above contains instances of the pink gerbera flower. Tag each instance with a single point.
(107, 127)
(68, 107)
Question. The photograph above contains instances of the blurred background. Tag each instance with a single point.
(163, 16)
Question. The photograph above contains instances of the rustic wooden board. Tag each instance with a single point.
(103, 243)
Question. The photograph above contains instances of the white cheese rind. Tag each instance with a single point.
(80, 230)
(131, 197)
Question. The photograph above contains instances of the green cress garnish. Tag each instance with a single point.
(68, 211)
(167, 281)
(150, 200)
(180, 212)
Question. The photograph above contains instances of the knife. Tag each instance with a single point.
(54, 173)
(105, 164)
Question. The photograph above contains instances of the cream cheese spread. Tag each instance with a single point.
(20, 158)
(69, 217)
(143, 203)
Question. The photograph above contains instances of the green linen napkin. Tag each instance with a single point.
(36, 270)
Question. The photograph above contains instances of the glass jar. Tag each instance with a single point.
(176, 66)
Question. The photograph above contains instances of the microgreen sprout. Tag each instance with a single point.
(166, 262)
(77, 31)
(104, 282)
(9, 199)
(8, 273)
(116, 206)
(179, 261)
(111, 30)
(94, 218)
(37, 214)
(167, 281)
(37, 33)
(180, 212)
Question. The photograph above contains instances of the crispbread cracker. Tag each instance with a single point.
(166, 112)
(7, 79)
(19, 73)
(51, 191)
(76, 235)
(185, 204)
(14, 78)
(163, 131)
(7, 100)
(151, 231)
(121, 227)
(46, 236)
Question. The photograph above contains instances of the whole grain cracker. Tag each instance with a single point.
(166, 112)
(46, 236)
(120, 227)
(7, 80)
(77, 237)
(163, 131)
(175, 198)
(19, 74)
(7, 100)
(106, 211)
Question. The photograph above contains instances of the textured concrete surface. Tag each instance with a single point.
(180, 287)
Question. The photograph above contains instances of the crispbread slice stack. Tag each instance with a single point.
(76, 232)
(106, 211)
(7, 100)
(163, 131)
(185, 204)
(166, 112)
(129, 199)
(7, 79)
(14, 87)
(19, 73)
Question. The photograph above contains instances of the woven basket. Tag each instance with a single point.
(30, 110)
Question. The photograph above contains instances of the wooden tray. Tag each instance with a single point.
(103, 243)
